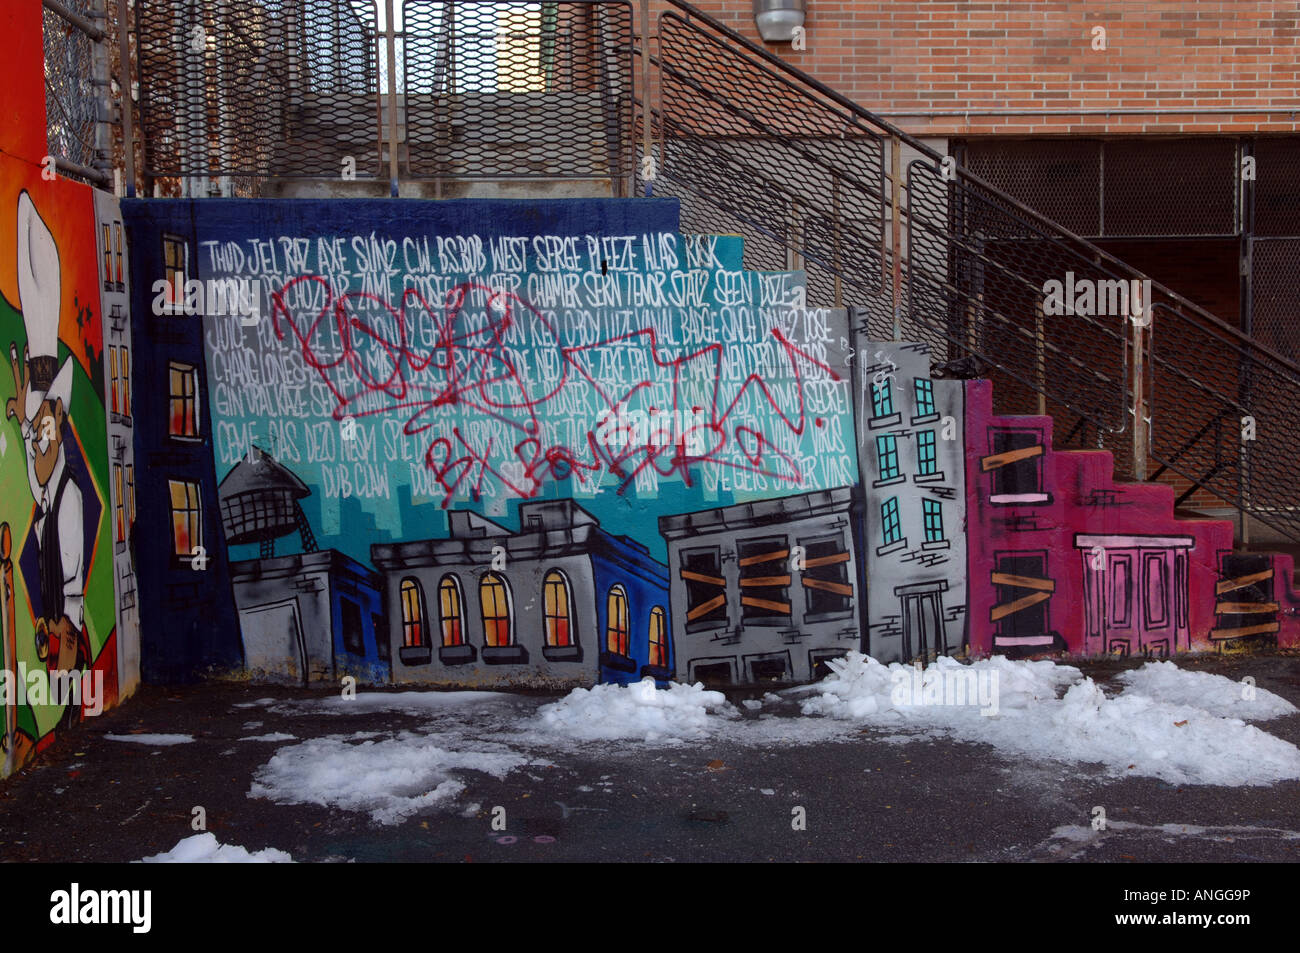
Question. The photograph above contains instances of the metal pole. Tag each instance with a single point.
(896, 201)
(76, 19)
(645, 90)
(392, 97)
(1139, 416)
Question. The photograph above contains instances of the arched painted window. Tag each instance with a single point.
(556, 603)
(413, 630)
(658, 637)
(616, 624)
(495, 598)
(449, 611)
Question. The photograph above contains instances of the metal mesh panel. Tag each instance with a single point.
(977, 272)
(1122, 187)
(781, 164)
(1277, 186)
(1169, 187)
(70, 98)
(1275, 323)
(516, 89)
(247, 88)
(1058, 178)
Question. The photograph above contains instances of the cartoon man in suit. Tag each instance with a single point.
(44, 390)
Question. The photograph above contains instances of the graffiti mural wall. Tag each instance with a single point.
(407, 392)
(66, 655)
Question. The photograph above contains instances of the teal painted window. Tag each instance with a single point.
(882, 398)
(927, 461)
(887, 455)
(891, 526)
(924, 388)
(933, 521)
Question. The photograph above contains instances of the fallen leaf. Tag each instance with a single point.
(1179, 724)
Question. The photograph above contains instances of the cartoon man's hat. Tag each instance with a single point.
(39, 289)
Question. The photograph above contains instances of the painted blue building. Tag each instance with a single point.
(557, 603)
(187, 614)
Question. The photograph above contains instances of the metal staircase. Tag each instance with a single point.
(933, 253)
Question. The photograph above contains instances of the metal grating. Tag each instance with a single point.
(71, 108)
(1277, 186)
(245, 88)
(492, 89)
(1275, 263)
(1118, 187)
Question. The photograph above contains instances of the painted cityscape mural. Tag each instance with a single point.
(498, 443)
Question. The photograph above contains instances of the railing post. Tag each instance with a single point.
(896, 201)
(645, 93)
(391, 29)
(1138, 392)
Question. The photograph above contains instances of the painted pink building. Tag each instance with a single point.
(1061, 558)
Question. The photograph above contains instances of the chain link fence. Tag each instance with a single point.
(72, 101)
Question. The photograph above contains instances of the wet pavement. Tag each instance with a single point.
(863, 796)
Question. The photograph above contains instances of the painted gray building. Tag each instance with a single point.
(115, 307)
(557, 603)
(764, 591)
(911, 456)
(310, 617)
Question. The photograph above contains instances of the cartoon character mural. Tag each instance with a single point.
(60, 650)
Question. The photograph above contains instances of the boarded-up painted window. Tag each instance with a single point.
(450, 614)
(706, 589)
(187, 534)
(825, 576)
(1023, 592)
(764, 578)
(557, 609)
(495, 598)
(412, 613)
(124, 372)
(658, 637)
(616, 624)
(1016, 465)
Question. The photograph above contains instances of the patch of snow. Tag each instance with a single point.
(1132, 734)
(1212, 693)
(753, 704)
(633, 712)
(390, 780)
(157, 740)
(205, 849)
(273, 736)
(257, 703)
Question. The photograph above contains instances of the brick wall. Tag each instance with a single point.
(898, 57)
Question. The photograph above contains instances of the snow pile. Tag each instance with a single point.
(156, 740)
(389, 779)
(633, 712)
(1158, 726)
(204, 849)
(1212, 693)
(860, 687)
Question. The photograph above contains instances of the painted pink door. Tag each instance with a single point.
(1135, 593)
